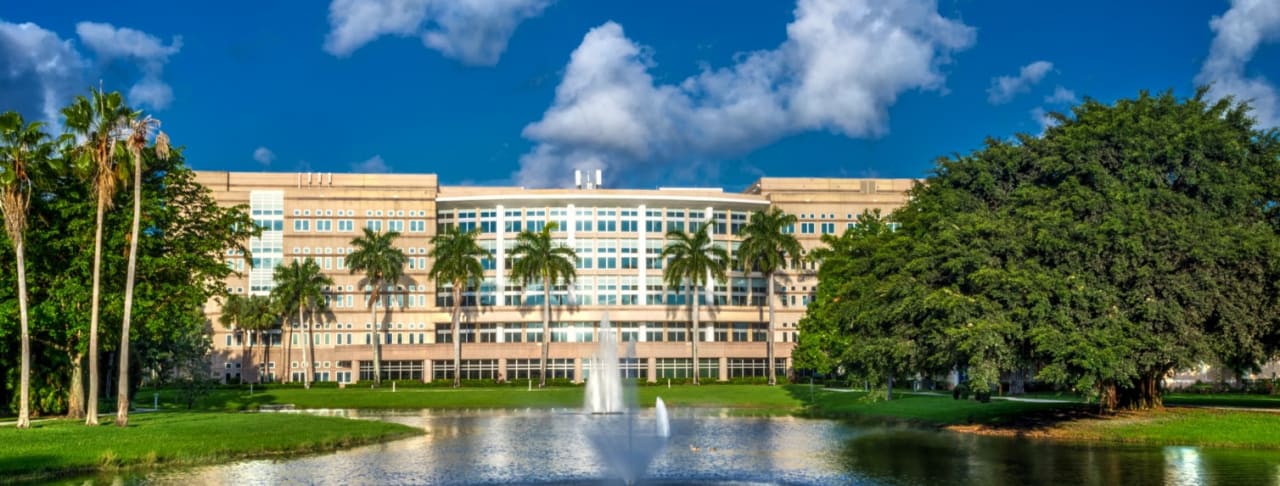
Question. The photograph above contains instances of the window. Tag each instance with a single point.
(677, 368)
(629, 251)
(466, 221)
(512, 332)
(675, 220)
(325, 225)
(653, 221)
(607, 220)
(373, 225)
(489, 221)
(396, 225)
(806, 228)
(302, 225)
(346, 225)
(511, 221)
(582, 220)
(417, 226)
(828, 228)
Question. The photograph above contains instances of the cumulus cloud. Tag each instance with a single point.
(264, 155)
(472, 31)
(1237, 35)
(1042, 118)
(1061, 95)
(42, 71)
(374, 165)
(1005, 88)
(843, 64)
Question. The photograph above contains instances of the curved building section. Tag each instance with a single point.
(617, 234)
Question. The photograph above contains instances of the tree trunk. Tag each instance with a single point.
(75, 393)
(308, 350)
(697, 366)
(91, 402)
(266, 358)
(122, 386)
(1107, 399)
(24, 396)
(889, 389)
(377, 338)
(457, 334)
(1144, 395)
(246, 355)
(1017, 382)
(546, 330)
(288, 347)
(773, 370)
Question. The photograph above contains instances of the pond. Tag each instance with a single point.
(716, 447)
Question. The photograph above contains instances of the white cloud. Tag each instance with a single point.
(144, 50)
(1043, 119)
(1238, 33)
(42, 72)
(1004, 88)
(843, 64)
(1062, 95)
(473, 31)
(264, 155)
(374, 165)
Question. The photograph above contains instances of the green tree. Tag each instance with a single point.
(258, 316)
(233, 317)
(303, 284)
(139, 131)
(765, 248)
(382, 264)
(25, 151)
(99, 123)
(457, 261)
(539, 259)
(694, 260)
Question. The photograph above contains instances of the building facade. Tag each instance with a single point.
(617, 234)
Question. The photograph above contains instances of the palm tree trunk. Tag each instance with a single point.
(91, 402)
(697, 368)
(308, 351)
(266, 358)
(246, 354)
(288, 345)
(122, 386)
(773, 372)
(377, 339)
(24, 399)
(457, 334)
(546, 330)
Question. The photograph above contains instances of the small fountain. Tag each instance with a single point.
(623, 449)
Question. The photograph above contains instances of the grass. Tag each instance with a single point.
(63, 447)
(1223, 400)
(1180, 426)
(927, 408)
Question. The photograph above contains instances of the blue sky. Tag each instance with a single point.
(708, 93)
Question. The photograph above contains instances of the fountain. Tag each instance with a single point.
(625, 450)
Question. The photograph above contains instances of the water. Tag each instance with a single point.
(622, 447)
(604, 385)
(714, 447)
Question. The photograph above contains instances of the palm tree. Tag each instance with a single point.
(302, 284)
(97, 123)
(232, 317)
(457, 261)
(692, 259)
(382, 263)
(765, 248)
(139, 130)
(538, 258)
(24, 151)
(258, 316)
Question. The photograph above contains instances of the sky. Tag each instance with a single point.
(713, 93)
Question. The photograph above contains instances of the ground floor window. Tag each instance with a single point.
(393, 370)
(674, 368)
(472, 369)
(709, 368)
(521, 369)
(753, 367)
(634, 368)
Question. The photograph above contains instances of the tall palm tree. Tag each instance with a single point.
(258, 316)
(24, 151)
(457, 261)
(139, 132)
(382, 263)
(97, 123)
(232, 317)
(692, 259)
(765, 248)
(538, 258)
(302, 283)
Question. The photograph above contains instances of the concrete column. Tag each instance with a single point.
(653, 369)
(502, 369)
(724, 368)
(427, 372)
(577, 370)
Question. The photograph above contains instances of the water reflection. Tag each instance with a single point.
(537, 446)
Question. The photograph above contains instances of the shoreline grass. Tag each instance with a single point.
(62, 447)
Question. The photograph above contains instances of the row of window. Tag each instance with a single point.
(529, 369)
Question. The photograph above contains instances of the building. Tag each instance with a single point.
(617, 234)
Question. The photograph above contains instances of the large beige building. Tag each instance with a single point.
(617, 234)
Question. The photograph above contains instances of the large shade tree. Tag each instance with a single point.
(457, 261)
(139, 133)
(302, 284)
(25, 152)
(98, 122)
(694, 260)
(375, 254)
(766, 246)
(538, 258)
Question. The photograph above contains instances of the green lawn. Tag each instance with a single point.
(60, 447)
(928, 408)
(1183, 426)
(1223, 400)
